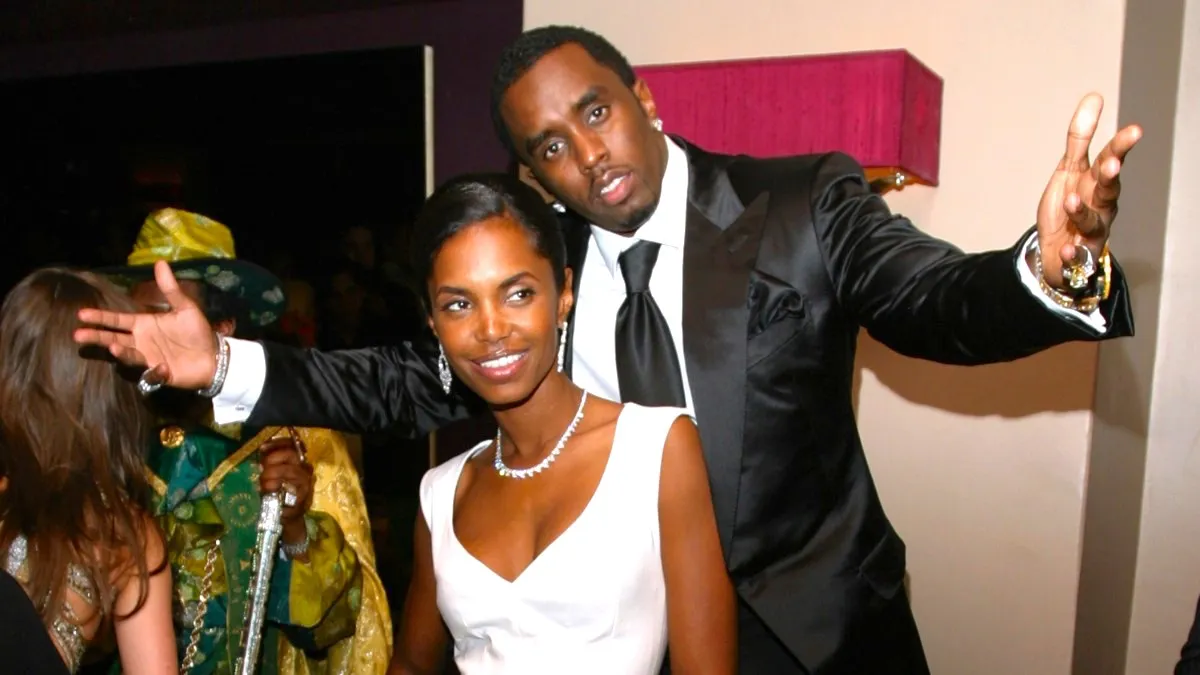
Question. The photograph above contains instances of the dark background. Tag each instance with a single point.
(60, 37)
(287, 120)
(286, 151)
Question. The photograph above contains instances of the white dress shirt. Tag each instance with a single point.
(601, 292)
(602, 287)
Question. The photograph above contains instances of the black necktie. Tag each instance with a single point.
(647, 365)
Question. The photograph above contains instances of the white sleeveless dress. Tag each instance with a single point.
(593, 602)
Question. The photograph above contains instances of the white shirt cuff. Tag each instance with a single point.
(243, 382)
(1094, 319)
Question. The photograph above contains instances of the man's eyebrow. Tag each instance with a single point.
(589, 97)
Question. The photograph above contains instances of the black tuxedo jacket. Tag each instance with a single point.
(784, 260)
(24, 641)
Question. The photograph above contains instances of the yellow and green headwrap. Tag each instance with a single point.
(201, 249)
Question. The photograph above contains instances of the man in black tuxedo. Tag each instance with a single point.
(735, 287)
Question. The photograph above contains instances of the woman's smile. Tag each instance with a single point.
(501, 367)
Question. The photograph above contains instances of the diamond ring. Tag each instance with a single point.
(149, 382)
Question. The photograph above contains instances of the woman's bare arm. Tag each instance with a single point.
(146, 637)
(421, 640)
(701, 604)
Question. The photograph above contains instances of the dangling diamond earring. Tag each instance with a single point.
(557, 206)
(657, 124)
(562, 347)
(443, 367)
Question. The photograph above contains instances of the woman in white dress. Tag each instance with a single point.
(582, 538)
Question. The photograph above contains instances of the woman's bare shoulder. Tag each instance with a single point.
(600, 419)
(604, 410)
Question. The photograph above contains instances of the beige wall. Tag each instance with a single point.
(981, 470)
(1128, 402)
(1168, 569)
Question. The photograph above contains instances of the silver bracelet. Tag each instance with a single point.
(222, 368)
(293, 551)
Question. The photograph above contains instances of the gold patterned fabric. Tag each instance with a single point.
(175, 235)
(338, 493)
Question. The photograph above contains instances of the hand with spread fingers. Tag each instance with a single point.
(285, 469)
(1077, 210)
(179, 345)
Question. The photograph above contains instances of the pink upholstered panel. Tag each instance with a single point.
(883, 108)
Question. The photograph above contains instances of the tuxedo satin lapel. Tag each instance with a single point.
(576, 235)
(716, 270)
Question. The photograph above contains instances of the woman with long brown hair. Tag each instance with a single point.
(73, 528)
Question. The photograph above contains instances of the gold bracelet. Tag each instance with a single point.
(1106, 270)
(1085, 305)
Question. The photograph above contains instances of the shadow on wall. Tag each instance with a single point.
(1060, 379)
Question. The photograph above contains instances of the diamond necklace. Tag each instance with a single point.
(541, 466)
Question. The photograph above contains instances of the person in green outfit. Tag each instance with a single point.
(326, 610)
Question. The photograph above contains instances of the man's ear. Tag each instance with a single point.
(226, 327)
(527, 177)
(642, 91)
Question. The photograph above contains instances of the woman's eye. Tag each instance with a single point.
(552, 150)
(598, 113)
(454, 306)
(522, 294)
